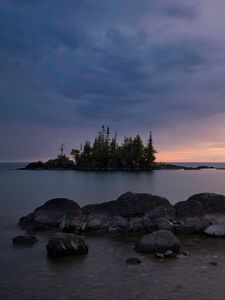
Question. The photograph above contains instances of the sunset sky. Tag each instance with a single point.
(68, 67)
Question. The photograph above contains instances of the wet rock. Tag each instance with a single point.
(66, 244)
(199, 211)
(25, 239)
(158, 241)
(169, 253)
(217, 229)
(58, 212)
(127, 213)
(133, 261)
(159, 255)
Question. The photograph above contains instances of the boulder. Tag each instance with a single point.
(25, 239)
(158, 241)
(128, 205)
(127, 212)
(216, 229)
(162, 217)
(199, 211)
(66, 244)
(58, 212)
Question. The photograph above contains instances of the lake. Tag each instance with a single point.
(27, 273)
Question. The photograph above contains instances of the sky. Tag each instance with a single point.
(68, 67)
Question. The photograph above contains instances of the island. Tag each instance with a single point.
(106, 154)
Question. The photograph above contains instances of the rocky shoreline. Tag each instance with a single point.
(152, 216)
(55, 164)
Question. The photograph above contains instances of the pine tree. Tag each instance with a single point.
(150, 152)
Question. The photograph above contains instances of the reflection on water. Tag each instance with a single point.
(27, 273)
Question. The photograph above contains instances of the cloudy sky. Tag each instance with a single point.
(68, 67)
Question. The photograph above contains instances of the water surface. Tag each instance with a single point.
(27, 273)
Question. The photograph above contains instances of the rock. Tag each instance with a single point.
(126, 213)
(162, 217)
(216, 229)
(213, 263)
(58, 212)
(158, 241)
(64, 244)
(184, 253)
(39, 165)
(62, 162)
(129, 205)
(199, 211)
(136, 224)
(159, 255)
(133, 261)
(169, 253)
(25, 239)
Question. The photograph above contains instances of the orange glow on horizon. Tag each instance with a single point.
(198, 154)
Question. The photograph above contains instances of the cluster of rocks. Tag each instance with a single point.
(51, 164)
(131, 212)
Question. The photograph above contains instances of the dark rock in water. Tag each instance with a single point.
(66, 244)
(199, 211)
(158, 241)
(25, 240)
(184, 253)
(213, 263)
(58, 212)
(128, 205)
(127, 212)
(133, 261)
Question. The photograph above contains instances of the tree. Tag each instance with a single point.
(150, 152)
(106, 153)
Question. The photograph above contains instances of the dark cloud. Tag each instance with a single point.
(82, 63)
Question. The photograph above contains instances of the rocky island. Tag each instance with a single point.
(106, 154)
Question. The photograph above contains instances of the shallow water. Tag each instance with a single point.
(27, 273)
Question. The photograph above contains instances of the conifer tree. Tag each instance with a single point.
(150, 152)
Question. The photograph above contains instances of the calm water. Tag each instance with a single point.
(27, 273)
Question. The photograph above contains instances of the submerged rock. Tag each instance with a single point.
(133, 261)
(199, 212)
(158, 241)
(25, 239)
(58, 212)
(66, 244)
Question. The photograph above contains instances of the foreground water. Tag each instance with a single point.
(27, 273)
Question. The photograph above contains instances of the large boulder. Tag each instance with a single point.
(199, 211)
(66, 244)
(158, 242)
(127, 212)
(127, 205)
(58, 212)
